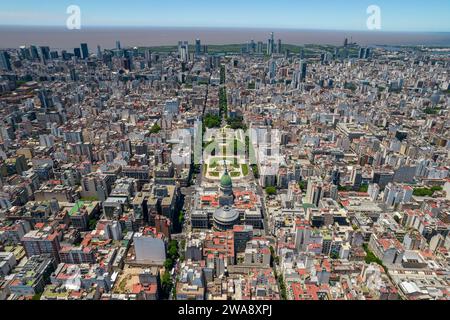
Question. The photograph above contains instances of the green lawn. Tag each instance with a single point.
(426, 192)
(213, 165)
(245, 169)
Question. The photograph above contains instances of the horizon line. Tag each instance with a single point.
(220, 27)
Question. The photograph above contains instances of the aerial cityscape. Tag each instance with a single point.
(263, 170)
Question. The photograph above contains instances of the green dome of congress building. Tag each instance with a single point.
(225, 181)
(226, 217)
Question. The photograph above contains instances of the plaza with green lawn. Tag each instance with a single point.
(225, 148)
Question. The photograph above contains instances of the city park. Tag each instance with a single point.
(225, 147)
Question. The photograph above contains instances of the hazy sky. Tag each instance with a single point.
(397, 15)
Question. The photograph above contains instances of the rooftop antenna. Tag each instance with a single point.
(225, 164)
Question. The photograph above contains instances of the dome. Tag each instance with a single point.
(225, 181)
(226, 215)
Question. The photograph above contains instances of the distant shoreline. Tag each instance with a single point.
(106, 37)
(106, 27)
